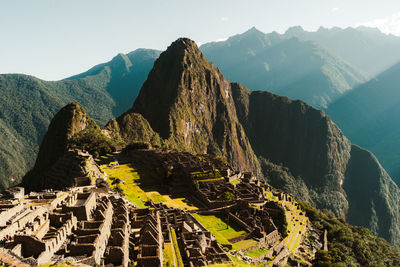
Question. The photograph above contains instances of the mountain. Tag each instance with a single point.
(73, 170)
(372, 202)
(192, 106)
(67, 123)
(187, 104)
(367, 49)
(303, 152)
(301, 138)
(28, 104)
(124, 75)
(369, 114)
(286, 66)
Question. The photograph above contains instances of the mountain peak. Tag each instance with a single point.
(121, 62)
(70, 120)
(253, 31)
(295, 30)
(188, 102)
(183, 44)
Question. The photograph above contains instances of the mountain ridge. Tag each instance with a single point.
(368, 116)
(293, 67)
(192, 107)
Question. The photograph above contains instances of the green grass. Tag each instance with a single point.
(236, 262)
(168, 255)
(138, 189)
(217, 226)
(178, 257)
(131, 177)
(244, 244)
(256, 252)
(235, 181)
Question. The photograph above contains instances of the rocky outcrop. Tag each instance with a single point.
(189, 103)
(69, 121)
(132, 127)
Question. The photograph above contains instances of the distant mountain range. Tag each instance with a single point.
(28, 104)
(287, 66)
(350, 73)
(367, 49)
(187, 104)
(369, 115)
(318, 67)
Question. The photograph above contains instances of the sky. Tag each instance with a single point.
(55, 39)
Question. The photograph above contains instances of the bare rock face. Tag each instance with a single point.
(189, 103)
(301, 138)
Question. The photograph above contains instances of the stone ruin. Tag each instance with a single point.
(207, 177)
(196, 244)
(94, 228)
(88, 224)
(75, 168)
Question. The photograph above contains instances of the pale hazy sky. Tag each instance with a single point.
(54, 39)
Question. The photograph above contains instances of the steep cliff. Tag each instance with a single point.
(301, 138)
(303, 152)
(374, 199)
(189, 103)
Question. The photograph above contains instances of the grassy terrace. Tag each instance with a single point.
(168, 255)
(297, 223)
(257, 252)
(139, 189)
(236, 262)
(178, 258)
(218, 228)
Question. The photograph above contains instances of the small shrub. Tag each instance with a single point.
(227, 196)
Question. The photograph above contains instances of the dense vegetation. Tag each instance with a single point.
(350, 245)
(28, 104)
(93, 141)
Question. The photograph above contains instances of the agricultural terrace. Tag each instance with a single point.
(296, 219)
(139, 187)
(218, 227)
